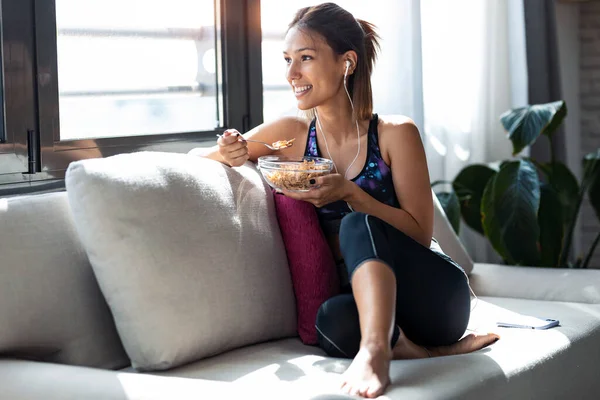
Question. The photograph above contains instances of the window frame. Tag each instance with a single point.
(18, 91)
(239, 74)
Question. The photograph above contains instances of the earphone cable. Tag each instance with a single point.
(357, 129)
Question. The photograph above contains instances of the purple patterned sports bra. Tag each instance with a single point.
(375, 178)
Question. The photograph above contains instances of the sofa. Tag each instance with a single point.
(164, 276)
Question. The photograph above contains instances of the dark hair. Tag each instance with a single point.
(343, 32)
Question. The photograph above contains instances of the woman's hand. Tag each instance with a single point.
(233, 148)
(325, 189)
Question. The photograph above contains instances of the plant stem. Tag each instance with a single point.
(552, 150)
(566, 248)
(592, 248)
(537, 164)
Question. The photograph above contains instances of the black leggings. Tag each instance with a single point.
(432, 293)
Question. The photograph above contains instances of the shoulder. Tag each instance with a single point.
(390, 125)
(398, 134)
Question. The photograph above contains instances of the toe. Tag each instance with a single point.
(364, 388)
(346, 388)
(374, 392)
(491, 339)
(480, 342)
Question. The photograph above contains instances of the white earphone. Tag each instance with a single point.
(348, 65)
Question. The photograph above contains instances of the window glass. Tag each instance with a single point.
(136, 67)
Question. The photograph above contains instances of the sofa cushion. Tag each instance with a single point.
(50, 305)
(553, 284)
(442, 229)
(187, 252)
(312, 266)
(525, 364)
(32, 380)
(447, 238)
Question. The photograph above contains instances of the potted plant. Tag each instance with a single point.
(525, 208)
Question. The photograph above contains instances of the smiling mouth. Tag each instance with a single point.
(301, 90)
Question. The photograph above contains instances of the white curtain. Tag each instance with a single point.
(397, 80)
(473, 70)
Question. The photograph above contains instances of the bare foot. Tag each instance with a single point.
(369, 373)
(471, 342)
(405, 349)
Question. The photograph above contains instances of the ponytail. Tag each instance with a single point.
(361, 90)
(372, 46)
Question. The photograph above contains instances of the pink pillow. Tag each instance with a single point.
(313, 270)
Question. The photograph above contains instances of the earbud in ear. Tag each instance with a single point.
(348, 65)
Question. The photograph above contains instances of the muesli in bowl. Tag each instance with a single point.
(293, 173)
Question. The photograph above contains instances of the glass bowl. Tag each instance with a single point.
(293, 173)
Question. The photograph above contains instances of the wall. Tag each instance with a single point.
(589, 37)
(589, 74)
(567, 26)
(578, 34)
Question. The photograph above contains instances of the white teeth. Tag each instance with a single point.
(300, 89)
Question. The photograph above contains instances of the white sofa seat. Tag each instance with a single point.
(523, 364)
(551, 284)
(556, 363)
(32, 380)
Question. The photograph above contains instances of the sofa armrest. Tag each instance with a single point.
(31, 380)
(552, 284)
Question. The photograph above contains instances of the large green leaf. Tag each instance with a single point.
(592, 175)
(469, 185)
(566, 186)
(451, 206)
(550, 220)
(509, 207)
(524, 125)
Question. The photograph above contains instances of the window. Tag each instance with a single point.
(18, 90)
(94, 78)
(278, 98)
(136, 67)
(2, 127)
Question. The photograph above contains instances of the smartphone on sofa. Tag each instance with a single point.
(527, 322)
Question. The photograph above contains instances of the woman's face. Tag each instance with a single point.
(314, 71)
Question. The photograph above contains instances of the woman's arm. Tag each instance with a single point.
(402, 145)
(281, 129)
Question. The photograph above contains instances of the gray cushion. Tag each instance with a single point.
(187, 252)
(50, 305)
(442, 230)
(447, 238)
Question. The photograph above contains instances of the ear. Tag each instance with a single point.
(351, 56)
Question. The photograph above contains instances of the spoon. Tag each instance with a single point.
(278, 145)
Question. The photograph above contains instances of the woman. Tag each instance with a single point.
(404, 298)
